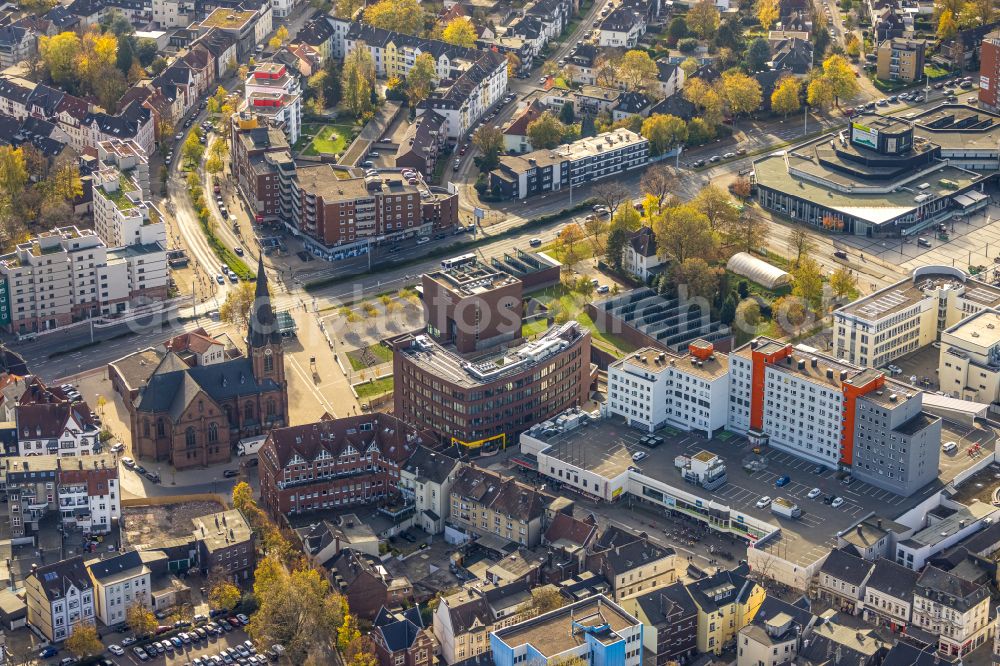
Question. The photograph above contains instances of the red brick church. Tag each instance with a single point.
(194, 416)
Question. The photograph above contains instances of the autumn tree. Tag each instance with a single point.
(236, 308)
(545, 132)
(664, 132)
(421, 77)
(568, 242)
(193, 148)
(611, 195)
(703, 19)
(706, 99)
(243, 497)
(13, 180)
(140, 619)
(513, 65)
(279, 38)
(346, 8)
(489, 140)
(348, 631)
(820, 93)
(790, 313)
(947, 26)
(807, 281)
(748, 315)
(800, 242)
(843, 82)
(358, 80)
(406, 16)
(749, 232)
(543, 599)
(59, 54)
(718, 208)
(843, 282)
(741, 93)
(683, 232)
(84, 642)
(659, 181)
(767, 12)
(637, 70)
(787, 96)
(460, 32)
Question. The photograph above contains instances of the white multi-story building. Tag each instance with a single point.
(889, 595)
(953, 609)
(119, 582)
(59, 596)
(70, 274)
(969, 365)
(652, 388)
(89, 498)
(879, 328)
(122, 214)
(274, 92)
(60, 427)
(426, 479)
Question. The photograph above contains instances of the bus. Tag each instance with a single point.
(458, 261)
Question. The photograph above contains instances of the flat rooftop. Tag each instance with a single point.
(655, 361)
(600, 447)
(909, 292)
(980, 330)
(942, 529)
(564, 629)
(228, 19)
(472, 277)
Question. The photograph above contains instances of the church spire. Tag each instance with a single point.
(263, 324)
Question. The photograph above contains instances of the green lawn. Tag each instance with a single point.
(934, 72)
(534, 327)
(382, 353)
(324, 139)
(373, 389)
(560, 298)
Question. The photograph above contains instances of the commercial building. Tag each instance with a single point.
(900, 59)
(652, 388)
(876, 329)
(969, 365)
(842, 578)
(834, 414)
(334, 463)
(120, 582)
(568, 166)
(59, 597)
(249, 27)
(84, 490)
(632, 563)
(486, 400)
(70, 274)
(273, 92)
(884, 176)
(122, 214)
(942, 528)
(593, 629)
(889, 595)
(727, 601)
(226, 546)
(955, 610)
(989, 72)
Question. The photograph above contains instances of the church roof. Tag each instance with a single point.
(264, 328)
(173, 391)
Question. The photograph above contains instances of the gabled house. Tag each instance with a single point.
(669, 78)
(464, 620)
(842, 579)
(423, 143)
(888, 596)
(59, 597)
(632, 563)
(401, 639)
(632, 104)
(366, 583)
(196, 348)
(727, 601)
(775, 635)
(794, 54)
(515, 132)
(955, 610)
(639, 255)
(670, 622)
(17, 43)
(568, 539)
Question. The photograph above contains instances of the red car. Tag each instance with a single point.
(233, 621)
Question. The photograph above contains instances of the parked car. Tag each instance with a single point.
(128, 640)
(116, 650)
(128, 462)
(948, 447)
(729, 156)
(47, 652)
(423, 240)
(763, 502)
(220, 279)
(814, 493)
(837, 501)
(140, 654)
(783, 481)
(639, 455)
(230, 473)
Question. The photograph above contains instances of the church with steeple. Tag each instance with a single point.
(195, 416)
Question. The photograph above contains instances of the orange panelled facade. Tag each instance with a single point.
(851, 395)
(759, 361)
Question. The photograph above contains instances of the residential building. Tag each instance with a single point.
(622, 28)
(226, 546)
(847, 643)
(955, 610)
(249, 27)
(850, 414)
(989, 72)
(651, 388)
(426, 479)
(197, 348)
(323, 540)
(889, 595)
(900, 60)
(17, 43)
(794, 55)
(59, 596)
(318, 34)
(119, 582)
(193, 416)
(401, 639)
(670, 622)
(473, 93)
(515, 131)
(334, 463)
(422, 144)
(669, 78)
(122, 214)
(969, 366)
(640, 256)
(464, 620)
(775, 635)
(273, 92)
(632, 104)
(50, 424)
(595, 628)
(472, 403)
(727, 601)
(568, 539)
(487, 503)
(570, 165)
(84, 490)
(70, 274)
(842, 578)
(366, 583)
(632, 563)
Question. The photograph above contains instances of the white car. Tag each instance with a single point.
(639, 455)
(837, 501)
(116, 650)
(814, 493)
(948, 447)
(763, 502)
(128, 462)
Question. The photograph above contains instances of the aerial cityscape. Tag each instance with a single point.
(500, 332)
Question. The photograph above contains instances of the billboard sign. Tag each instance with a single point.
(864, 135)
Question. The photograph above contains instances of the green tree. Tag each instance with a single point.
(460, 32)
(235, 309)
(145, 51)
(358, 80)
(807, 281)
(664, 132)
(421, 78)
(84, 642)
(758, 55)
(193, 148)
(566, 115)
(404, 16)
(694, 278)
(843, 282)
(703, 19)
(617, 239)
(637, 70)
(787, 96)
(678, 29)
(489, 140)
(748, 315)
(545, 131)
(683, 232)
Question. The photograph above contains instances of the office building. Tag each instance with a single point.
(594, 629)
(969, 366)
(273, 92)
(834, 414)
(876, 329)
(122, 213)
(900, 60)
(652, 388)
(989, 72)
(70, 274)
(59, 597)
(487, 399)
(570, 165)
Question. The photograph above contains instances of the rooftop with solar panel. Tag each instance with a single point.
(912, 292)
